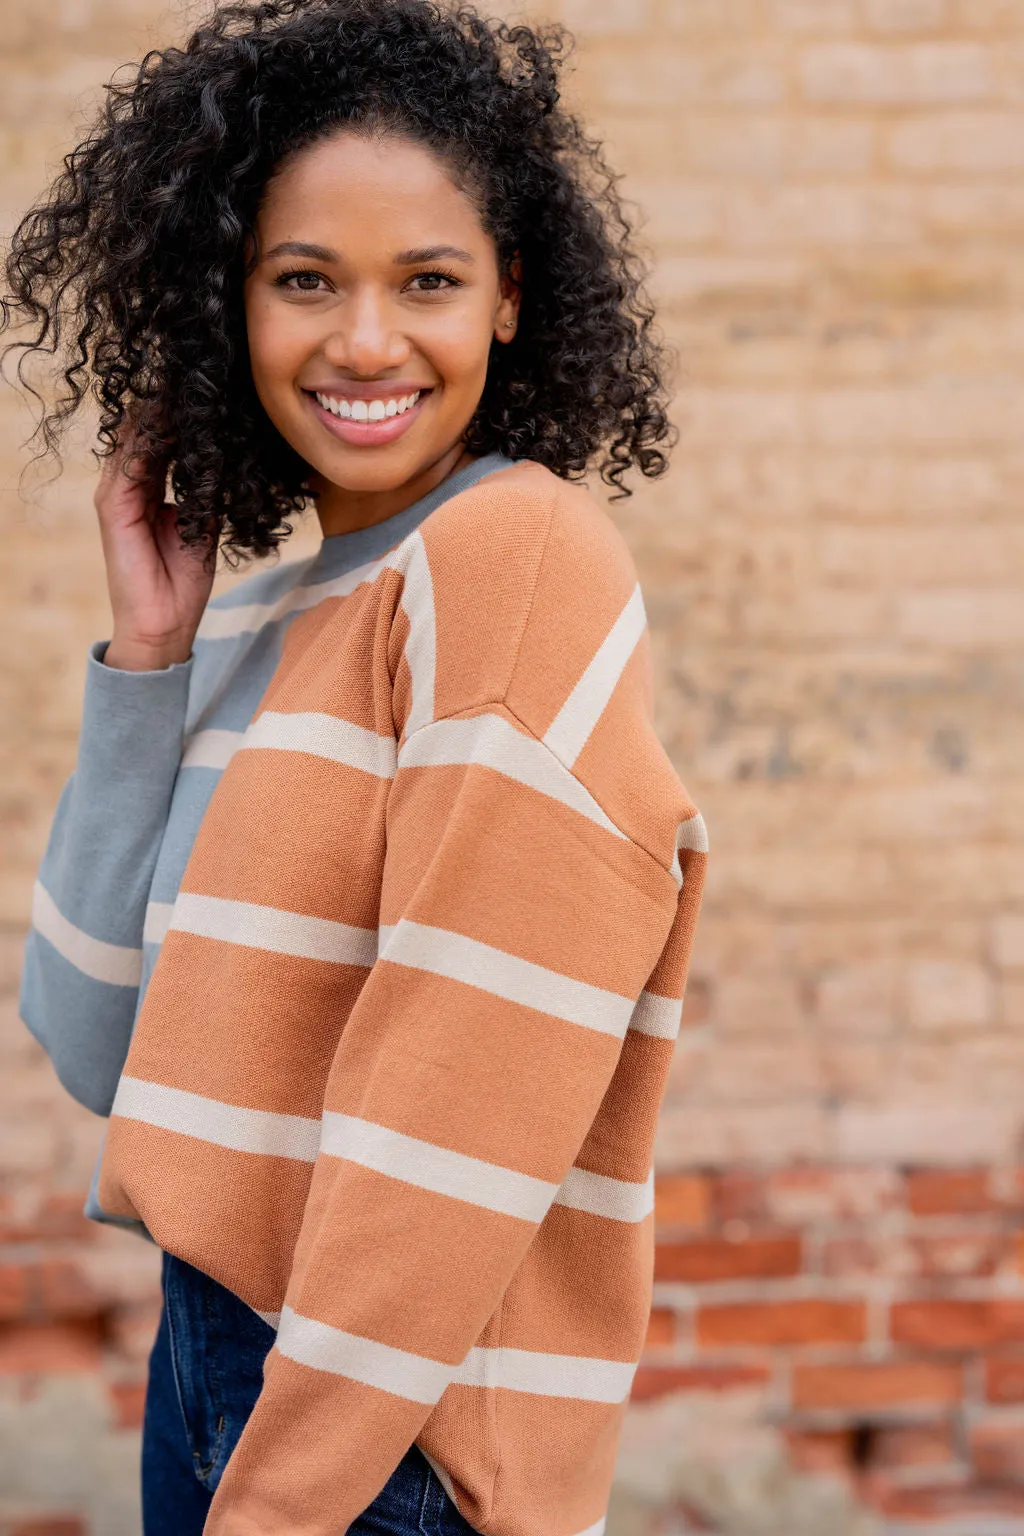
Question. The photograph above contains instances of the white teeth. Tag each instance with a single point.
(367, 410)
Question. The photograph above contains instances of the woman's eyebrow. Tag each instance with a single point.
(428, 253)
(300, 248)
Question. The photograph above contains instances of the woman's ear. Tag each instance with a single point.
(507, 319)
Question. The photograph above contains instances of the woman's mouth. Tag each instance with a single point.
(367, 422)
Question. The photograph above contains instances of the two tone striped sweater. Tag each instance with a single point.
(369, 927)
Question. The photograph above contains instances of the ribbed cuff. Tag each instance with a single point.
(133, 724)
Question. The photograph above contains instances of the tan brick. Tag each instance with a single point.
(905, 15)
(694, 1135)
(899, 1131)
(944, 994)
(800, 1195)
(965, 1255)
(805, 17)
(1008, 941)
(925, 73)
(983, 618)
(601, 17)
(957, 141)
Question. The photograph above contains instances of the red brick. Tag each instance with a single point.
(681, 1200)
(1004, 1379)
(950, 1191)
(948, 1501)
(740, 1196)
(128, 1399)
(58, 1217)
(64, 1292)
(862, 1385)
(960, 1325)
(52, 1349)
(913, 1445)
(696, 1002)
(821, 1450)
(780, 1323)
(54, 1289)
(658, 1380)
(13, 1292)
(720, 1258)
(997, 1450)
(661, 1329)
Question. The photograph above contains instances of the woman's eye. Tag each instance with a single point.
(300, 282)
(433, 282)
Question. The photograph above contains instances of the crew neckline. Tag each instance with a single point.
(341, 552)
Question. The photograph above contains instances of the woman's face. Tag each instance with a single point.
(371, 310)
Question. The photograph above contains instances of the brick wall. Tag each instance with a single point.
(835, 199)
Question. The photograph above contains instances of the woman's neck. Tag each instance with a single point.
(343, 511)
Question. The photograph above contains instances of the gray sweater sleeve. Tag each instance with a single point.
(83, 957)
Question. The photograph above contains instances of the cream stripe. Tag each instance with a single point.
(617, 1199)
(524, 1370)
(324, 736)
(158, 920)
(365, 1360)
(211, 749)
(114, 963)
(493, 742)
(436, 1168)
(568, 732)
(225, 1125)
(503, 975)
(657, 1015)
(693, 836)
(594, 1530)
(247, 618)
(421, 646)
(272, 1319)
(284, 933)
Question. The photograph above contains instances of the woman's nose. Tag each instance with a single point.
(366, 337)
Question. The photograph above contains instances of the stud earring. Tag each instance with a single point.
(510, 325)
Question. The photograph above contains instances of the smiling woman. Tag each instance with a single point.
(367, 912)
(360, 342)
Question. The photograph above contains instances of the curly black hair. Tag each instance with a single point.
(129, 274)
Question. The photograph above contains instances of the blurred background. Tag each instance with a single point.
(834, 571)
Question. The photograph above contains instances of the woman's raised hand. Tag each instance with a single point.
(158, 587)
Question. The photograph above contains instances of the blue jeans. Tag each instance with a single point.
(205, 1374)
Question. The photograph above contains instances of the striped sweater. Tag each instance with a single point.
(395, 1076)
